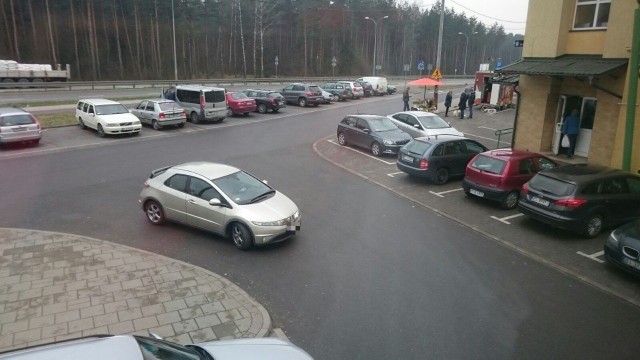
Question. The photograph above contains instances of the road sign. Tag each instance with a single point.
(436, 74)
(276, 61)
(499, 64)
(334, 61)
(518, 43)
(378, 67)
(429, 67)
(421, 65)
(406, 67)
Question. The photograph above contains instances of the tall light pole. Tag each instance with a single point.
(375, 39)
(175, 61)
(466, 49)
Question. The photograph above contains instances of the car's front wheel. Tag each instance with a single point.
(154, 211)
(375, 149)
(241, 236)
(510, 201)
(594, 226)
(100, 130)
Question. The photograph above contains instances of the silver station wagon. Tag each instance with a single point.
(17, 125)
(222, 199)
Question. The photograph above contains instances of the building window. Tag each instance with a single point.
(591, 14)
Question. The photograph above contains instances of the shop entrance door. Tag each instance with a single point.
(565, 105)
(587, 116)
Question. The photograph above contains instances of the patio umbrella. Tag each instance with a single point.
(425, 81)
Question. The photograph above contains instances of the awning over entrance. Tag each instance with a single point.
(567, 65)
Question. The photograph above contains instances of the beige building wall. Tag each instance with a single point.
(617, 43)
(548, 23)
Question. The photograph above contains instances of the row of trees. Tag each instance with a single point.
(133, 39)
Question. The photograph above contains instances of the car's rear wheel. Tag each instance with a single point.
(262, 108)
(100, 130)
(229, 112)
(155, 125)
(375, 149)
(594, 226)
(154, 211)
(241, 236)
(342, 139)
(246, 114)
(82, 125)
(442, 176)
(510, 201)
(181, 125)
(302, 102)
(194, 118)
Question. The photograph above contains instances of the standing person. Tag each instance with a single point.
(447, 103)
(570, 128)
(462, 104)
(405, 98)
(471, 100)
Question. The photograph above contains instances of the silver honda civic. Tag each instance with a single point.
(222, 199)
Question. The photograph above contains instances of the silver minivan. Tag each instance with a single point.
(17, 125)
(200, 103)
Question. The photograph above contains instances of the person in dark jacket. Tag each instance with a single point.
(470, 101)
(570, 128)
(447, 103)
(405, 98)
(462, 104)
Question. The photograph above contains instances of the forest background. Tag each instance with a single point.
(133, 39)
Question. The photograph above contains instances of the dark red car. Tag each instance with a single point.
(499, 174)
(239, 103)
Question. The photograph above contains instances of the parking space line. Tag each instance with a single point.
(395, 173)
(360, 152)
(593, 256)
(484, 127)
(504, 219)
(444, 192)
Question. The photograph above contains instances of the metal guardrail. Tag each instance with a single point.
(501, 132)
(133, 84)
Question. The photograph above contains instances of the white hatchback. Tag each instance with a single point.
(106, 117)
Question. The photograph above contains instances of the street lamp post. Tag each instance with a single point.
(375, 39)
(466, 49)
(175, 61)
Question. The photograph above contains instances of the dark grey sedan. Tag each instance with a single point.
(373, 132)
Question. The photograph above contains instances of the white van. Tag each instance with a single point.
(200, 103)
(379, 84)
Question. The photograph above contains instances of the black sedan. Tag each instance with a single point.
(623, 247)
(582, 198)
(373, 132)
(266, 100)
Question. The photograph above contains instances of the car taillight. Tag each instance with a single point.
(424, 164)
(161, 116)
(310, 94)
(571, 202)
(524, 190)
(184, 114)
(202, 101)
(272, 101)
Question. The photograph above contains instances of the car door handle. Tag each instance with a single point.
(191, 201)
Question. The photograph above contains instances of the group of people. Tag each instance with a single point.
(467, 98)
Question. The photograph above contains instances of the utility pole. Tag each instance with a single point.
(435, 89)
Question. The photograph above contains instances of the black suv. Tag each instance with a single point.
(438, 157)
(302, 94)
(266, 100)
(582, 198)
(342, 91)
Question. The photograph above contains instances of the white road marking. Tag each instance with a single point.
(504, 219)
(593, 256)
(484, 127)
(395, 173)
(360, 152)
(443, 192)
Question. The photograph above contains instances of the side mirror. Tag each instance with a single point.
(265, 181)
(366, 130)
(215, 202)
(92, 114)
(416, 126)
(155, 336)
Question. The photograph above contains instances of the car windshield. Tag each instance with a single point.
(111, 109)
(382, 124)
(489, 164)
(153, 349)
(164, 106)
(19, 119)
(242, 188)
(239, 96)
(433, 122)
(551, 186)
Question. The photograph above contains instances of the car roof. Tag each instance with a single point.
(207, 169)
(438, 138)
(99, 101)
(577, 173)
(198, 87)
(160, 100)
(515, 154)
(415, 113)
(12, 111)
(369, 117)
(99, 347)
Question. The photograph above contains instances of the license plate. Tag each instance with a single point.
(542, 202)
(476, 192)
(19, 129)
(407, 158)
(633, 264)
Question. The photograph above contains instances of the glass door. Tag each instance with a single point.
(587, 117)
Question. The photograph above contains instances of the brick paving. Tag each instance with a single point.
(56, 286)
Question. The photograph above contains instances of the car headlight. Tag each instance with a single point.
(613, 239)
(388, 142)
(269, 223)
(136, 123)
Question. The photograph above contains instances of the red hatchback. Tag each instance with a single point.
(499, 174)
(239, 103)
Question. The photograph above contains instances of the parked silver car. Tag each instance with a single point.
(222, 199)
(17, 125)
(160, 113)
(134, 347)
(422, 123)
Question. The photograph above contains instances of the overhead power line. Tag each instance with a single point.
(487, 16)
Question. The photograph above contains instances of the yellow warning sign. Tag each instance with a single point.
(436, 74)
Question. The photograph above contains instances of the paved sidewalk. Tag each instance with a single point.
(55, 286)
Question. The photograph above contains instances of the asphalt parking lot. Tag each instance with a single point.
(562, 250)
